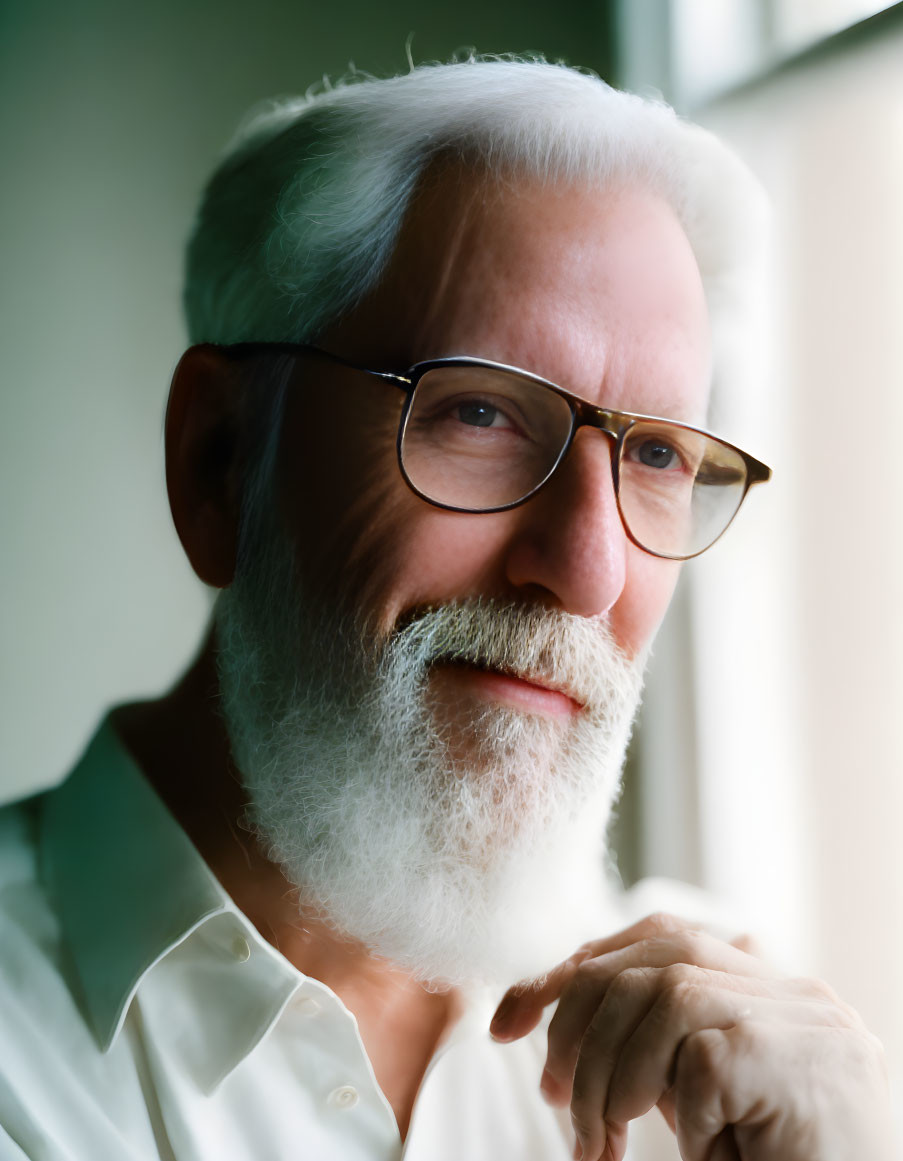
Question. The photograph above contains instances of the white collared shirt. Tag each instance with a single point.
(143, 1017)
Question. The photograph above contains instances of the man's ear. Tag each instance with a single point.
(205, 460)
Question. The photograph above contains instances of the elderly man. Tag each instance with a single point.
(440, 445)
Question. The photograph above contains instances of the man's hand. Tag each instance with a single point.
(745, 1065)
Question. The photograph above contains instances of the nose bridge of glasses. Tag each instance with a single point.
(610, 423)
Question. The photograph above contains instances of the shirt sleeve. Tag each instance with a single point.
(10, 1151)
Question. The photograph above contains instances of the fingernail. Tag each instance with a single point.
(502, 1015)
(578, 1150)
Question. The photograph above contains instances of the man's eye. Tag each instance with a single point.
(479, 413)
(654, 453)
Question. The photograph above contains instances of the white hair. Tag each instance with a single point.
(301, 217)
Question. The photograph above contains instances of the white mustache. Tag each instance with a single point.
(577, 655)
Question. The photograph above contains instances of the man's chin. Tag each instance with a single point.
(491, 925)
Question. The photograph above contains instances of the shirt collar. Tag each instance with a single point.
(129, 887)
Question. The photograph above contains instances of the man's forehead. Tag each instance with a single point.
(556, 277)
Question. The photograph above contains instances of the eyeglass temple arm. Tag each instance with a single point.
(400, 381)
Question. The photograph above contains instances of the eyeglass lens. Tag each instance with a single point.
(479, 438)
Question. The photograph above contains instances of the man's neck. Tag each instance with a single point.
(180, 743)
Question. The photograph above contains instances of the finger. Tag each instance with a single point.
(591, 979)
(707, 1068)
(660, 925)
(623, 1072)
(628, 1055)
(618, 1005)
(688, 946)
(521, 1007)
(655, 940)
(749, 944)
(683, 1001)
(806, 1094)
(627, 1059)
(522, 1004)
(645, 1065)
(625, 1003)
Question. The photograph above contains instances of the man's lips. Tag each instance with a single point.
(531, 694)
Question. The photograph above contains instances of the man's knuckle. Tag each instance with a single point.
(691, 945)
(876, 1058)
(701, 1060)
(587, 977)
(661, 923)
(672, 975)
(675, 974)
(677, 998)
(752, 1037)
(627, 984)
(622, 994)
(818, 989)
(866, 1051)
(841, 1015)
(748, 943)
(835, 1010)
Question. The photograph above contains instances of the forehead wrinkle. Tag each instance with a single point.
(438, 242)
(630, 375)
(457, 251)
(487, 230)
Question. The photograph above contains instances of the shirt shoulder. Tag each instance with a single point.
(19, 841)
(62, 1098)
(28, 925)
(29, 928)
(29, 980)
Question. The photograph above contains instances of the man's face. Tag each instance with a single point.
(450, 815)
(600, 293)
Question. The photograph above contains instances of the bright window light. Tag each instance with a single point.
(798, 23)
(718, 46)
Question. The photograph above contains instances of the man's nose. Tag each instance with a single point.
(570, 541)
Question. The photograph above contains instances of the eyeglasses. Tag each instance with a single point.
(478, 436)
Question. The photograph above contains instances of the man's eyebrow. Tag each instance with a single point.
(661, 404)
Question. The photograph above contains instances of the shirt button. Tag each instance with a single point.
(241, 949)
(306, 1006)
(343, 1097)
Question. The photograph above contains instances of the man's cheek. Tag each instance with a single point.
(635, 618)
(365, 560)
(449, 556)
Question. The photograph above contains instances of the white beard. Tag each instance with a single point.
(479, 869)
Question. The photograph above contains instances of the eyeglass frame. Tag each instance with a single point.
(613, 423)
